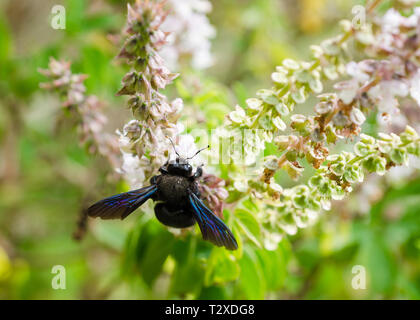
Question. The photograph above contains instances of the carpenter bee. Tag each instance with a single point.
(178, 204)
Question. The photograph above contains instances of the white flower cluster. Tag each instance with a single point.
(137, 170)
(391, 24)
(385, 81)
(149, 140)
(397, 39)
(388, 76)
(191, 33)
(86, 109)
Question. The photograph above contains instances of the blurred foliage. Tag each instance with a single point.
(46, 178)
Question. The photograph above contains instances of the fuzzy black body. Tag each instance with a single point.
(173, 190)
(178, 203)
(173, 208)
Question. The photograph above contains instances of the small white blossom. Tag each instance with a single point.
(131, 169)
(386, 93)
(191, 33)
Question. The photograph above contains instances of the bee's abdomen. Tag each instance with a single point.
(178, 218)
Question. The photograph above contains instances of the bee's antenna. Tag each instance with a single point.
(173, 145)
(208, 146)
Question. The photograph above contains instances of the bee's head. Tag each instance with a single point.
(180, 166)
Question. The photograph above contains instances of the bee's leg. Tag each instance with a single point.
(153, 180)
(163, 170)
(198, 173)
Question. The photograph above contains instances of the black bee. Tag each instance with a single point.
(178, 202)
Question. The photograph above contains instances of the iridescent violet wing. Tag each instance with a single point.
(212, 228)
(121, 205)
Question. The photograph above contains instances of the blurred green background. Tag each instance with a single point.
(47, 178)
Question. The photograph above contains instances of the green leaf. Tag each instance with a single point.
(147, 247)
(75, 16)
(380, 166)
(308, 254)
(361, 149)
(250, 226)
(250, 205)
(274, 266)
(158, 248)
(134, 247)
(351, 174)
(222, 267)
(345, 253)
(252, 281)
(213, 293)
(398, 155)
(377, 254)
(188, 275)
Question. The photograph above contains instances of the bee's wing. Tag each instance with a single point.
(121, 205)
(212, 228)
